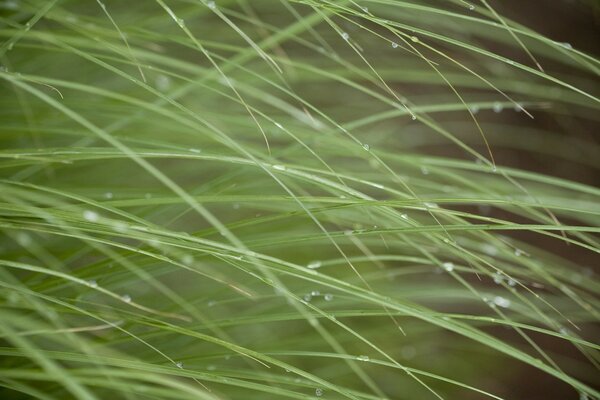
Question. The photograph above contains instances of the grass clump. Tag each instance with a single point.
(295, 199)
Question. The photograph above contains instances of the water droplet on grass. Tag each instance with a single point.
(314, 265)
(489, 249)
(23, 239)
(501, 302)
(92, 283)
(212, 5)
(163, 83)
(345, 36)
(394, 45)
(448, 266)
(11, 5)
(120, 227)
(366, 147)
(564, 331)
(362, 358)
(318, 392)
(126, 298)
(179, 365)
(197, 151)
(328, 297)
(518, 252)
(279, 167)
(414, 39)
(91, 216)
(498, 107)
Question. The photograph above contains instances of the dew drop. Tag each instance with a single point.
(314, 265)
(564, 331)
(318, 392)
(414, 39)
(92, 283)
(179, 365)
(345, 36)
(11, 5)
(197, 151)
(120, 227)
(307, 297)
(328, 297)
(126, 298)
(498, 279)
(279, 167)
(91, 216)
(362, 358)
(424, 171)
(212, 5)
(108, 195)
(163, 83)
(366, 147)
(448, 266)
(498, 107)
(489, 249)
(501, 302)
(518, 252)
(394, 45)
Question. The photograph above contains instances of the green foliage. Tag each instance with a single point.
(293, 199)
